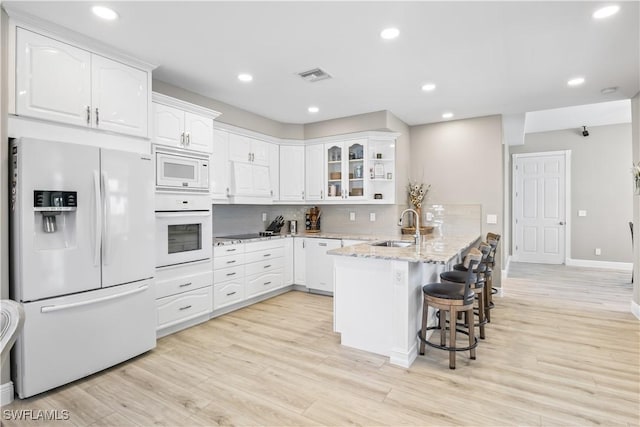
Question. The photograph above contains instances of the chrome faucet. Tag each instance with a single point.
(417, 235)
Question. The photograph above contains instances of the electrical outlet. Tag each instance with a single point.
(582, 213)
(352, 216)
(264, 216)
(372, 216)
(598, 251)
(492, 219)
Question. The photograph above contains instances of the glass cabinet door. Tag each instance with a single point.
(334, 171)
(356, 169)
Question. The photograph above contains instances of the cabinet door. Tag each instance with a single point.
(239, 148)
(53, 80)
(120, 97)
(292, 172)
(168, 125)
(354, 180)
(259, 152)
(288, 262)
(198, 132)
(242, 184)
(299, 261)
(274, 168)
(261, 181)
(219, 166)
(314, 172)
(319, 265)
(334, 171)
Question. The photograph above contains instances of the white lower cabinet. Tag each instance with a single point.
(319, 265)
(228, 293)
(287, 278)
(183, 307)
(263, 283)
(299, 261)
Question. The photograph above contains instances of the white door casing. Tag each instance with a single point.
(540, 207)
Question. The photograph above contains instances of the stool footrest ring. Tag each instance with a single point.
(448, 348)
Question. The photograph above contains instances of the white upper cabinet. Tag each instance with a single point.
(59, 82)
(292, 172)
(120, 97)
(345, 170)
(249, 150)
(219, 170)
(182, 125)
(314, 172)
(53, 80)
(274, 168)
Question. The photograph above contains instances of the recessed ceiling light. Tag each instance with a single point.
(606, 11)
(245, 77)
(104, 12)
(447, 115)
(576, 81)
(428, 87)
(313, 109)
(390, 33)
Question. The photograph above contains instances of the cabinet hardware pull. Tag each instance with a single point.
(231, 262)
(303, 244)
(186, 307)
(322, 244)
(267, 283)
(267, 266)
(231, 250)
(253, 157)
(186, 284)
(231, 274)
(88, 115)
(182, 139)
(266, 255)
(228, 195)
(231, 293)
(249, 156)
(322, 194)
(188, 139)
(97, 117)
(302, 194)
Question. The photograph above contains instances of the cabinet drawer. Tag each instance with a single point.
(260, 284)
(265, 245)
(185, 306)
(227, 293)
(224, 250)
(264, 266)
(176, 279)
(225, 274)
(251, 257)
(228, 261)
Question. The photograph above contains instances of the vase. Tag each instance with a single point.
(637, 192)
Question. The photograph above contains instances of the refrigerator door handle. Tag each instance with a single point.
(106, 245)
(52, 308)
(98, 219)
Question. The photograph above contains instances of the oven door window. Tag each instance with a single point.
(179, 170)
(184, 238)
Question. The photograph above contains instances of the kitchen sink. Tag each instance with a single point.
(393, 244)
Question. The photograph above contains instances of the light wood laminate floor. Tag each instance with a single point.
(562, 349)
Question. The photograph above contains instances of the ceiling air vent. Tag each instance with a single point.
(314, 75)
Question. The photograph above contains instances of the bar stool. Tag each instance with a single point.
(477, 285)
(492, 240)
(452, 298)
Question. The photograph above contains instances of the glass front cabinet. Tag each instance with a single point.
(346, 170)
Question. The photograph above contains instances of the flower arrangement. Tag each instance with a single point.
(417, 193)
(635, 170)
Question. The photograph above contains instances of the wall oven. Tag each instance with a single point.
(181, 170)
(183, 229)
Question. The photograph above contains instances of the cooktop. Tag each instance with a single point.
(246, 236)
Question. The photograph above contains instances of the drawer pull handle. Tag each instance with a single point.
(186, 307)
(231, 262)
(322, 244)
(231, 274)
(267, 266)
(185, 284)
(231, 250)
(231, 293)
(266, 255)
(267, 283)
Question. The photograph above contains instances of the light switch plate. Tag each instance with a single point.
(582, 213)
(264, 216)
(352, 216)
(372, 216)
(598, 251)
(492, 219)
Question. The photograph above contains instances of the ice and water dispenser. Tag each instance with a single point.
(52, 204)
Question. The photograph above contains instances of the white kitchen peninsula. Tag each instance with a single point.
(377, 296)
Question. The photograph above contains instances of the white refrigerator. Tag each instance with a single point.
(82, 236)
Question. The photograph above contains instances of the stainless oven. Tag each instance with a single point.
(183, 229)
(181, 170)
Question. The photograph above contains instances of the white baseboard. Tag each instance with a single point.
(635, 309)
(605, 265)
(6, 393)
(505, 270)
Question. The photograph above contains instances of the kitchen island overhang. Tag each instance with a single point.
(377, 301)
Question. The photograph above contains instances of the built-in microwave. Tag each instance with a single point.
(181, 170)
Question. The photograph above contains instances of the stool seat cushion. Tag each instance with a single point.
(447, 291)
(460, 267)
(460, 277)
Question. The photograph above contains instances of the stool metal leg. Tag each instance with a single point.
(425, 318)
(481, 313)
(452, 338)
(470, 320)
(442, 325)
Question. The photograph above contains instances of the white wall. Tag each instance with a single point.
(601, 185)
(635, 117)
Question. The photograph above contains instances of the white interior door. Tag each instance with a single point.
(129, 230)
(539, 207)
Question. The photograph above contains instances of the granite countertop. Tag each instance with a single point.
(322, 235)
(434, 249)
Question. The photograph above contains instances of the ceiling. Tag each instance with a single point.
(485, 57)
